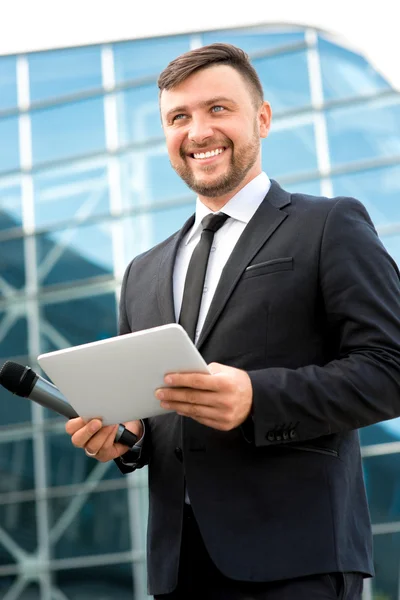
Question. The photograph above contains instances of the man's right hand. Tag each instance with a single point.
(99, 440)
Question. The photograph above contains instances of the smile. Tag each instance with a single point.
(208, 154)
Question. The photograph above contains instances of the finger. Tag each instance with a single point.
(196, 411)
(188, 395)
(81, 437)
(101, 443)
(198, 381)
(73, 425)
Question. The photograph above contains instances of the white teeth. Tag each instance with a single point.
(208, 154)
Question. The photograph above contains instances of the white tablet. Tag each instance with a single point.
(115, 379)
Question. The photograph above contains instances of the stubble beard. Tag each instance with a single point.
(241, 161)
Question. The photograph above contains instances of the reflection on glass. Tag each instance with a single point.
(13, 335)
(74, 254)
(143, 231)
(148, 179)
(254, 40)
(16, 462)
(99, 527)
(69, 130)
(108, 582)
(9, 146)
(13, 409)
(18, 519)
(10, 205)
(61, 72)
(285, 80)
(312, 187)
(377, 189)
(76, 191)
(386, 583)
(8, 82)
(12, 265)
(83, 320)
(363, 132)
(392, 245)
(141, 58)
(138, 115)
(346, 74)
(382, 475)
(8, 585)
(289, 151)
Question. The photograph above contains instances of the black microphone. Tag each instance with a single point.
(24, 382)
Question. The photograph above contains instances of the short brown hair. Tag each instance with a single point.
(186, 64)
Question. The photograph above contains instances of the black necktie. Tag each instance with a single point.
(196, 273)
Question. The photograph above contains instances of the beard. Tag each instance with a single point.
(241, 161)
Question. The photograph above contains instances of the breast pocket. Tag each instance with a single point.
(269, 266)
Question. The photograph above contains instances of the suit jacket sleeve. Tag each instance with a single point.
(359, 287)
(132, 460)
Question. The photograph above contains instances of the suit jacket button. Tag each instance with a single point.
(179, 454)
(285, 435)
(278, 438)
(292, 434)
(270, 436)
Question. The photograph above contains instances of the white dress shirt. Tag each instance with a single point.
(240, 209)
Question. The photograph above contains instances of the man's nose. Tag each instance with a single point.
(200, 130)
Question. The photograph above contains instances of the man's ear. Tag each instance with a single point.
(264, 119)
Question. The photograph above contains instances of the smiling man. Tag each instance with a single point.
(255, 478)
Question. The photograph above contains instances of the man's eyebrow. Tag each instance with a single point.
(204, 103)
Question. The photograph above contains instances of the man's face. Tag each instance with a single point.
(213, 130)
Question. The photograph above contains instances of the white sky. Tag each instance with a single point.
(27, 25)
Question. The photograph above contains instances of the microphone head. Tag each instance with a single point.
(17, 379)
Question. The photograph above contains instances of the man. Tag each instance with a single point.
(255, 479)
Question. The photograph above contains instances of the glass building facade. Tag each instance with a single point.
(85, 185)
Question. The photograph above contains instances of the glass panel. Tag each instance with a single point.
(16, 463)
(381, 433)
(158, 52)
(13, 409)
(378, 190)
(10, 205)
(26, 591)
(254, 40)
(74, 254)
(85, 319)
(138, 115)
(9, 146)
(12, 266)
(94, 583)
(148, 179)
(392, 245)
(70, 130)
(285, 80)
(382, 477)
(62, 72)
(289, 151)
(363, 132)
(345, 73)
(68, 465)
(141, 232)
(312, 187)
(8, 82)
(13, 335)
(18, 519)
(75, 191)
(386, 583)
(99, 527)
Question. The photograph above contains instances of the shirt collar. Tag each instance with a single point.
(241, 207)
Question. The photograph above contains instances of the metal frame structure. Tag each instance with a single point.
(40, 565)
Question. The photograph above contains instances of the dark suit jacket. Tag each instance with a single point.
(309, 305)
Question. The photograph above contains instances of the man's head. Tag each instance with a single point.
(211, 101)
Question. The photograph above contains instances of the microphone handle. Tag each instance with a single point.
(56, 401)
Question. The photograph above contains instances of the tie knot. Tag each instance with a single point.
(213, 222)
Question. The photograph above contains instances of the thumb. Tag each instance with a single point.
(216, 368)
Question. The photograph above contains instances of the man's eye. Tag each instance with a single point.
(178, 117)
(217, 108)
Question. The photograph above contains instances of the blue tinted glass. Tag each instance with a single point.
(10, 205)
(141, 232)
(105, 582)
(9, 144)
(138, 115)
(312, 187)
(381, 433)
(75, 191)
(85, 319)
(345, 73)
(19, 521)
(74, 253)
(383, 488)
(288, 151)
(140, 58)
(285, 80)
(392, 245)
(378, 190)
(8, 82)
(69, 130)
(363, 132)
(14, 336)
(254, 40)
(62, 72)
(13, 409)
(386, 583)
(12, 271)
(148, 178)
(16, 461)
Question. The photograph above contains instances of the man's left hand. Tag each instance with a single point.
(221, 400)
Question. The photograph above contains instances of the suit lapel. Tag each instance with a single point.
(260, 228)
(165, 289)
